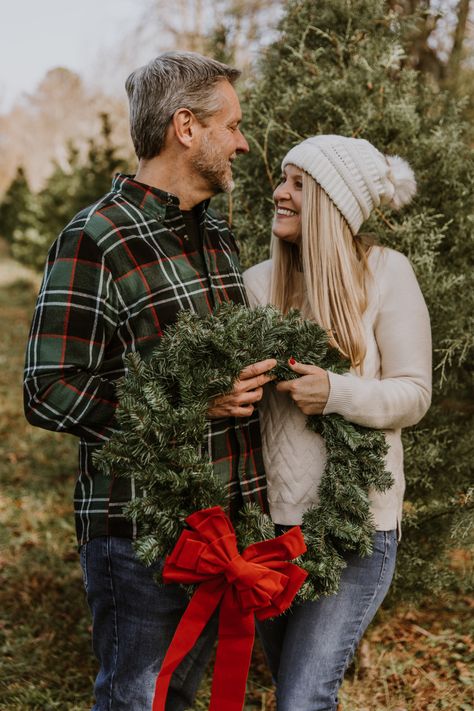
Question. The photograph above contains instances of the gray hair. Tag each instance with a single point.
(171, 81)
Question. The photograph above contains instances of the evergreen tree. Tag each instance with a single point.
(99, 167)
(49, 211)
(14, 205)
(67, 190)
(339, 66)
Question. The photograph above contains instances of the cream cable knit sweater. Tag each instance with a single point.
(394, 392)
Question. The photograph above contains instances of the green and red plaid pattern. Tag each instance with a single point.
(117, 275)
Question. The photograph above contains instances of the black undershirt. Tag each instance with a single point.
(193, 232)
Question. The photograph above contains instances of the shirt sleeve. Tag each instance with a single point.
(402, 395)
(74, 319)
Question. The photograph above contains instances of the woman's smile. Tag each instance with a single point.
(285, 212)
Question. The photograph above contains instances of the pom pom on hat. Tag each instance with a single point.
(355, 175)
(403, 179)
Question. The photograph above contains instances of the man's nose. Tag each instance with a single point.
(242, 145)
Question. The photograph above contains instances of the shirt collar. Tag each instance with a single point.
(152, 201)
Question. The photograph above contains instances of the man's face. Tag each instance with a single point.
(220, 142)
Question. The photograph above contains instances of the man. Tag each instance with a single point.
(118, 274)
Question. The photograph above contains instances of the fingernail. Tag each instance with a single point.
(292, 361)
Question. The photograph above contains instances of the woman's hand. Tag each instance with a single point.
(310, 392)
(248, 389)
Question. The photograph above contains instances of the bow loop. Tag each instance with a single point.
(239, 570)
(211, 523)
(220, 552)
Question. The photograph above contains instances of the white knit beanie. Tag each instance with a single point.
(355, 175)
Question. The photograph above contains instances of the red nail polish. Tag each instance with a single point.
(292, 361)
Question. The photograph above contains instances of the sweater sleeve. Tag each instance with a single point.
(402, 395)
(252, 297)
(257, 283)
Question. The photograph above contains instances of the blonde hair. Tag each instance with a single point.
(335, 272)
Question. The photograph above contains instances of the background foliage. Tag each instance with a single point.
(32, 221)
(342, 67)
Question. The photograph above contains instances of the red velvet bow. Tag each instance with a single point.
(260, 582)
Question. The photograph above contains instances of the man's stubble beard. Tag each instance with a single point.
(213, 167)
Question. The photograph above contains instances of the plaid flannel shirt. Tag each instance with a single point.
(115, 278)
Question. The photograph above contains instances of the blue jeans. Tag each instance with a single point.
(134, 620)
(309, 648)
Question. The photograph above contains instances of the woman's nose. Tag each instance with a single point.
(281, 192)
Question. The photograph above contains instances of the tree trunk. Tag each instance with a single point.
(456, 56)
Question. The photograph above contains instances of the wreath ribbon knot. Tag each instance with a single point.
(259, 582)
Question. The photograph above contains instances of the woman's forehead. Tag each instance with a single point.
(292, 170)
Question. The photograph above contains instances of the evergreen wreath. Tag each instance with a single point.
(162, 424)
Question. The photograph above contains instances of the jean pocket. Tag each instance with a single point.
(385, 551)
(83, 561)
(384, 541)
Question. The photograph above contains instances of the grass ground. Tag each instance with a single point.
(412, 659)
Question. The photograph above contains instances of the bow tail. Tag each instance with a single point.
(198, 612)
(234, 653)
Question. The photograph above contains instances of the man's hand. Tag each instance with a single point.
(310, 392)
(248, 389)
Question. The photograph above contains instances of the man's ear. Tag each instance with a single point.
(185, 125)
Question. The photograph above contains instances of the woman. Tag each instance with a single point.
(368, 299)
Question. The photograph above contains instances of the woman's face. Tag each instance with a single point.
(287, 198)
